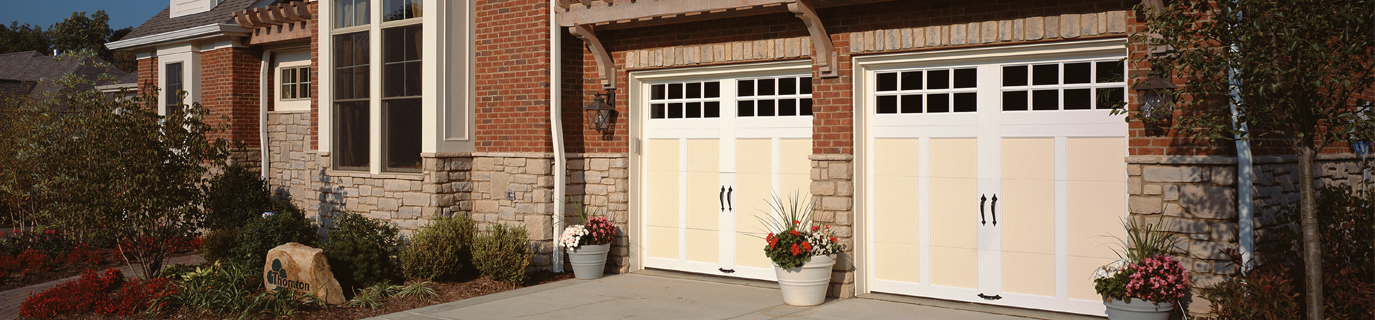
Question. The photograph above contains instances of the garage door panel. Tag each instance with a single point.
(1028, 218)
(753, 191)
(662, 214)
(1097, 193)
(703, 211)
(896, 205)
(954, 190)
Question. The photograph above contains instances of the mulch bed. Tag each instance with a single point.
(448, 292)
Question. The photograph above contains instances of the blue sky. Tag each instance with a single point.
(123, 13)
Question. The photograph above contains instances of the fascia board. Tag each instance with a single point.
(204, 31)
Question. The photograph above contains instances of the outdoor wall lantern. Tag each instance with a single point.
(1157, 101)
(599, 113)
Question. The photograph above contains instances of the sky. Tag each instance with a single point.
(45, 13)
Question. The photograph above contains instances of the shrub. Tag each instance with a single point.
(263, 234)
(360, 250)
(440, 249)
(34, 260)
(219, 244)
(217, 287)
(234, 198)
(502, 253)
(81, 253)
(107, 294)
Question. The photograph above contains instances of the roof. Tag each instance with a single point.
(160, 23)
(23, 70)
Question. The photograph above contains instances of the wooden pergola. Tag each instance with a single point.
(279, 22)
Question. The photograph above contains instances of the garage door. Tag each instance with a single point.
(716, 147)
(994, 176)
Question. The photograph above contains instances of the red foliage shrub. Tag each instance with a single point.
(80, 253)
(9, 264)
(34, 260)
(107, 294)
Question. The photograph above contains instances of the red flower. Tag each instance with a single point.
(797, 222)
(795, 233)
(795, 250)
(815, 228)
(833, 239)
(807, 246)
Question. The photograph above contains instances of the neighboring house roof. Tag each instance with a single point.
(22, 72)
(160, 23)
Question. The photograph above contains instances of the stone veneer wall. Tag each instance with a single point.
(516, 189)
(601, 181)
(833, 192)
(1196, 199)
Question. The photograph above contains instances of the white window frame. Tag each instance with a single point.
(292, 60)
(189, 57)
(446, 79)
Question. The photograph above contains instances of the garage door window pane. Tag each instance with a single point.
(1078, 99)
(911, 103)
(1110, 98)
(675, 111)
(887, 104)
(938, 79)
(938, 103)
(1046, 74)
(1014, 101)
(745, 88)
(1045, 100)
(694, 110)
(1014, 76)
(887, 82)
(1078, 72)
(966, 78)
(694, 90)
(911, 80)
(765, 108)
(745, 108)
(711, 109)
(966, 102)
(675, 91)
(787, 86)
(713, 89)
(765, 87)
(656, 111)
(787, 107)
(806, 106)
(1109, 71)
(806, 85)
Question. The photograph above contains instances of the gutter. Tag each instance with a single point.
(1246, 225)
(201, 32)
(556, 128)
(262, 113)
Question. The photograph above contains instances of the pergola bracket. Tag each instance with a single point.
(825, 54)
(606, 67)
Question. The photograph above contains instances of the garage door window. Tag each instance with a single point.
(1077, 85)
(771, 97)
(685, 100)
(942, 90)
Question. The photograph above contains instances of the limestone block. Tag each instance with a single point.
(1181, 225)
(600, 164)
(1117, 21)
(1069, 26)
(1173, 210)
(906, 38)
(824, 188)
(659, 57)
(919, 37)
(1034, 28)
(507, 213)
(1005, 30)
(1152, 189)
(1052, 27)
(1171, 193)
(1088, 24)
(524, 179)
(958, 34)
(1226, 175)
(933, 36)
(397, 185)
(719, 53)
(1209, 202)
(387, 204)
(1143, 205)
(1208, 250)
(1172, 174)
(1225, 232)
(485, 206)
(304, 269)
(839, 170)
(988, 32)
(844, 188)
(1133, 185)
(416, 199)
(1133, 169)
(835, 203)
(483, 164)
(409, 213)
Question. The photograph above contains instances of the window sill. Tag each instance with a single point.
(410, 176)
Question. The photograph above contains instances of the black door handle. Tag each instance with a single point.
(982, 219)
(722, 197)
(992, 297)
(730, 202)
(726, 271)
(993, 209)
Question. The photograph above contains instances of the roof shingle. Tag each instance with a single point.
(160, 23)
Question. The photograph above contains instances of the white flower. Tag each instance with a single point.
(268, 214)
(572, 236)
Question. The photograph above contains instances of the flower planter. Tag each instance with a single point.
(588, 260)
(1137, 309)
(806, 285)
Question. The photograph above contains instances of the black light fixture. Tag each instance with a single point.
(599, 112)
(1157, 102)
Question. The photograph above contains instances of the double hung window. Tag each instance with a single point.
(175, 85)
(400, 68)
(295, 83)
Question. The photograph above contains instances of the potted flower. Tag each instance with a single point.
(1147, 282)
(802, 252)
(587, 244)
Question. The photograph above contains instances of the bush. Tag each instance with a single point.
(1348, 257)
(440, 249)
(106, 294)
(263, 234)
(219, 244)
(360, 250)
(502, 253)
(214, 288)
(235, 198)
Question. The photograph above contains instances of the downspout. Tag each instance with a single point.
(263, 99)
(556, 130)
(1245, 172)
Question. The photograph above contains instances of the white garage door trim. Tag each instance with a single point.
(771, 131)
(1026, 124)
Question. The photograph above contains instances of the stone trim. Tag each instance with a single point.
(832, 191)
(831, 157)
(1065, 26)
(1216, 160)
(716, 53)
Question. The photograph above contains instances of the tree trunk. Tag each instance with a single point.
(1312, 246)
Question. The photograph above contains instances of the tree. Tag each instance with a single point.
(80, 32)
(91, 164)
(25, 37)
(124, 60)
(1298, 72)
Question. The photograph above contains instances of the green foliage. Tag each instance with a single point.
(288, 224)
(361, 250)
(373, 296)
(234, 198)
(213, 288)
(1145, 241)
(279, 303)
(440, 250)
(25, 37)
(418, 289)
(1114, 285)
(502, 253)
(219, 244)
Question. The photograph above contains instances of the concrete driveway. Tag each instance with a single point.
(667, 295)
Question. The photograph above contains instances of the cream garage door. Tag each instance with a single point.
(998, 179)
(715, 150)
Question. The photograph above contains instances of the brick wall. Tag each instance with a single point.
(512, 76)
(147, 75)
(229, 88)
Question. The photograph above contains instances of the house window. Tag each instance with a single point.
(295, 83)
(400, 102)
(174, 87)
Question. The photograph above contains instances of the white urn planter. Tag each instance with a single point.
(806, 285)
(1137, 309)
(588, 260)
